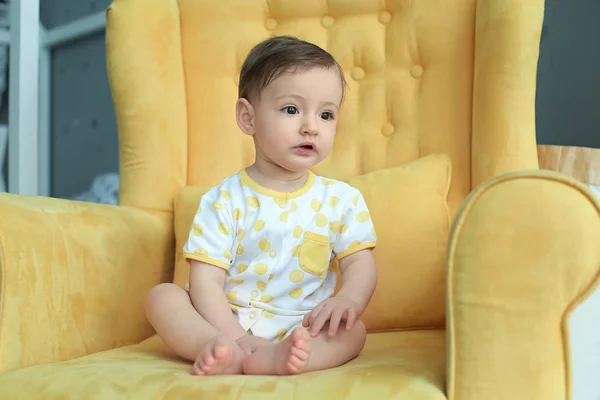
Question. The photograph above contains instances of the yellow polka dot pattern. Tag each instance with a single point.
(324, 211)
(224, 229)
(231, 295)
(335, 226)
(259, 225)
(197, 230)
(264, 245)
(266, 298)
(363, 216)
(296, 276)
(225, 194)
(354, 244)
(295, 251)
(261, 269)
(281, 202)
(298, 231)
(321, 220)
(201, 252)
(237, 214)
(252, 201)
(316, 205)
(281, 334)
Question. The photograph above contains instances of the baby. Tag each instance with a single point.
(261, 295)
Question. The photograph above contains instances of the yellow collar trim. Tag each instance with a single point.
(247, 181)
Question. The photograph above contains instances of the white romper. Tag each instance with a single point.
(277, 247)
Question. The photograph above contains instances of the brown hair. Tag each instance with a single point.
(278, 55)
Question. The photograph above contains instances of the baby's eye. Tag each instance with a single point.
(327, 116)
(291, 110)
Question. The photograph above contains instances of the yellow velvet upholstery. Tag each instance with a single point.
(404, 365)
(512, 286)
(428, 76)
(74, 277)
(414, 71)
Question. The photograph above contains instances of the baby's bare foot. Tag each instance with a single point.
(293, 353)
(220, 356)
(286, 358)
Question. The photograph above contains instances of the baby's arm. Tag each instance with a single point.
(206, 291)
(359, 278)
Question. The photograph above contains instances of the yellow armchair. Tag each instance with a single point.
(425, 77)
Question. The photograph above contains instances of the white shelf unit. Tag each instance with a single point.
(29, 89)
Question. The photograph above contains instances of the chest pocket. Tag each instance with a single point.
(314, 254)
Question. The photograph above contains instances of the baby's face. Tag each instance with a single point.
(296, 118)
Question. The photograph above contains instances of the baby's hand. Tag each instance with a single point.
(251, 343)
(334, 310)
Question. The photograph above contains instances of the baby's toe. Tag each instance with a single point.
(302, 345)
(221, 352)
(300, 353)
(296, 363)
(207, 358)
(196, 369)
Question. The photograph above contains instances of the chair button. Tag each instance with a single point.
(271, 24)
(357, 73)
(388, 130)
(385, 17)
(327, 21)
(254, 293)
(416, 71)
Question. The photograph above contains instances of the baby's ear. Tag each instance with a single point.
(244, 113)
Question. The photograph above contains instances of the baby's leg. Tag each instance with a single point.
(300, 353)
(170, 311)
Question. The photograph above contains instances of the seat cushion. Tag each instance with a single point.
(410, 212)
(397, 365)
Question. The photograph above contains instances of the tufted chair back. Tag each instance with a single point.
(425, 76)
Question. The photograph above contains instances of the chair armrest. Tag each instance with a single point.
(524, 252)
(74, 276)
(507, 42)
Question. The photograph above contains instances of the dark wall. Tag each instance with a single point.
(84, 133)
(568, 87)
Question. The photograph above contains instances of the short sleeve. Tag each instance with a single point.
(357, 231)
(211, 235)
